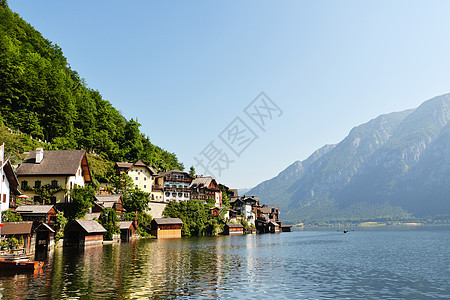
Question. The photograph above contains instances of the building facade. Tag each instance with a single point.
(63, 170)
(141, 174)
(174, 185)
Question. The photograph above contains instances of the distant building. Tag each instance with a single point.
(166, 228)
(141, 174)
(244, 207)
(173, 185)
(64, 168)
(204, 188)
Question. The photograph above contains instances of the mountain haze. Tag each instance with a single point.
(396, 166)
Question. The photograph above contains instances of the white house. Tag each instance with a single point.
(9, 182)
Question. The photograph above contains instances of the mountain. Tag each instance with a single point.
(394, 167)
(43, 97)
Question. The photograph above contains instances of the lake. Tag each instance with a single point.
(362, 264)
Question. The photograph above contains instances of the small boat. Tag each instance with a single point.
(11, 263)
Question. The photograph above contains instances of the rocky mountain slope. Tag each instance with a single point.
(396, 166)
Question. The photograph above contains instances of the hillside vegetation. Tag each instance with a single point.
(41, 96)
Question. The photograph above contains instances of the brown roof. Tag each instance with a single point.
(58, 162)
(138, 163)
(233, 225)
(34, 209)
(91, 226)
(11, 175)
(173, 172)
(168, 221)
(125, 224)
(124, 165)
(108, 198)
(11, 228)
(266, 210)
(202, 182)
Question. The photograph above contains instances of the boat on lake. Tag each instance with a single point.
(19, 264)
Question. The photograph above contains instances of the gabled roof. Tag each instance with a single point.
(202, 182)
(11, 176)
(90, 226)
(92, 216)
(11, 228)
(170, 172)
(108, 198)
(168, 221)
(44, 227)
(233, 225)
(138, 163)
(58, 162)
(125, 224)
(34, 209)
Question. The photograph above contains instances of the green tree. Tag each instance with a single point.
(196, 217)
(11, 216)
(46, 192)
(81, 199)
(192, 171)
(60, 224)
(109, 220)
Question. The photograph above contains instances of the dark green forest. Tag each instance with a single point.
(41, 96)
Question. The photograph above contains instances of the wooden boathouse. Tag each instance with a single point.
(166, 228)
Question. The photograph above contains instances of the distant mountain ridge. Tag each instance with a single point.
(396, 166)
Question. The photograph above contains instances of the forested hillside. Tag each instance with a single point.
(42, 96)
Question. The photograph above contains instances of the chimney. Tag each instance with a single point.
(39, 155)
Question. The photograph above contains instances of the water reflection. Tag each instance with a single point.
(295, 265)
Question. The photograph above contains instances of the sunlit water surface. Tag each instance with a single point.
(363, 264)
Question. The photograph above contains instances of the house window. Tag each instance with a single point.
(186, 195)
(37, 184)
(136, 178)
(54, 184)
(174, 194)
(53, 200)
(180, 194)
(24, 185)
(167, 194)
(145, 178)
(4, 198)
(145, 186)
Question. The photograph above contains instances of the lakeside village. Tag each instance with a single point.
(48, 201)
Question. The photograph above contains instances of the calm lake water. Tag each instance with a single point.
(363, 264)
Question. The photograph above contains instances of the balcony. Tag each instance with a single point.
(177, 179)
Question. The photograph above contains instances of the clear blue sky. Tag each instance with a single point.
(187, 69)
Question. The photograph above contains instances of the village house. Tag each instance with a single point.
(63, 170)
(174, 185)
(127, 230)
(108, 201)
(38, 213)
(233, 229)
(166, 228)
(83, 233)
(204, 188)
(9, 183)
(141, 174)
(244, 208)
